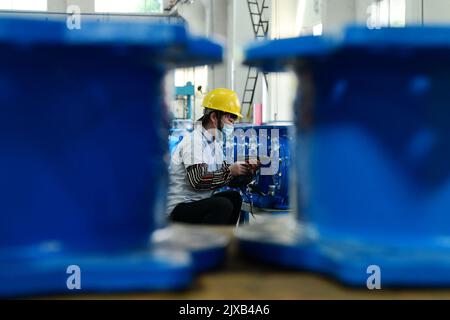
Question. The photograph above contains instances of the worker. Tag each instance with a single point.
(197, 167)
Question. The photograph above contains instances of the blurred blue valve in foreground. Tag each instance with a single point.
(83, 138)
(372, 156)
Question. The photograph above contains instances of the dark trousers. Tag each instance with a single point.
(221, 209)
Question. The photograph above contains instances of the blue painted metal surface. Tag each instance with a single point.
(373, 152)
(207, 248)
(82, 146)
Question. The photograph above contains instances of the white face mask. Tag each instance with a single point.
(228, 129)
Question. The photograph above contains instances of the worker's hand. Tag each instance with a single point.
(240, 169)
(253, 165)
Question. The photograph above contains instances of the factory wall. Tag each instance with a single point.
(228, 22)
(436, 11)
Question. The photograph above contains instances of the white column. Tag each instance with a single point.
(86, 6)
(56, 5)
(413, 12)
(218, 31)
(436, 12)
(240, 35)
(337, 15)
(287, 18)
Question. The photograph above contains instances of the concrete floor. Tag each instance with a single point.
(240, 278)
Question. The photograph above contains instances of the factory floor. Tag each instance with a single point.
(240, 278)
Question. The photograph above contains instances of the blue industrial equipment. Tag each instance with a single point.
(372, 158)
(82, 146)
(271, 144)
(174, 139)
(182, 124)
(186, 92)
(179, 128)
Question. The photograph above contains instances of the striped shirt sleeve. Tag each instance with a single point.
(201, 179)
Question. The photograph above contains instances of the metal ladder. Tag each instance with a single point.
(260, 29)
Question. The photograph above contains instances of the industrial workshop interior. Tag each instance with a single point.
(225, 150)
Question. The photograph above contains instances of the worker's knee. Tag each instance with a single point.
(233, 196)
(220, 213)
(236, 198)
(224, 205)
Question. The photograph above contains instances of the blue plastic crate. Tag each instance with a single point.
(83, 138)
(372, 153)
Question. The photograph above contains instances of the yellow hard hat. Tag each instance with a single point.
(222, 99)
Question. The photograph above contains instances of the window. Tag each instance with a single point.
(30, 5)
(129, 6)
(308, 18)
(397, 13)
(198, 76)
(386, 13)
(317, 29)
